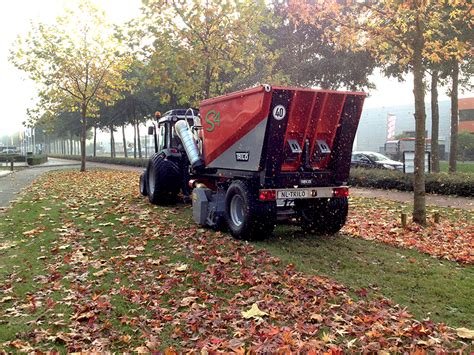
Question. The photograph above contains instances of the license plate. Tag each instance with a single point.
(296, 193)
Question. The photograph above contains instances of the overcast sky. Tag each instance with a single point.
(17, 92)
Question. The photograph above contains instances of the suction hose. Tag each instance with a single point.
(190, 146)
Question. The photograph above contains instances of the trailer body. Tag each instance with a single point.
(267, 155)
(281, 130)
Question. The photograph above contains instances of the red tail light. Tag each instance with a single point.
(267, 195)
(340, 192)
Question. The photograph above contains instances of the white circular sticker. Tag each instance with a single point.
(279, 112)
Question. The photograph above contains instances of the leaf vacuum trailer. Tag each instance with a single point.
(258, 157)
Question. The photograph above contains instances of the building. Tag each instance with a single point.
(466, 115)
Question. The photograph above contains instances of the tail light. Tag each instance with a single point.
(340, 192)
(267, 195)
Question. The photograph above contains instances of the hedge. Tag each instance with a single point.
(8, 157)
(36, 159)
(460, 184)
(107, 160)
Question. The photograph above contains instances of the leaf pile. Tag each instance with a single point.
(451, 239)
(100, 269)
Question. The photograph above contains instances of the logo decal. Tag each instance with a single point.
(279, 112)
(242, 156)
(213, 119)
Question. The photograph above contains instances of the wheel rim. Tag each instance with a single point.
(237, 210)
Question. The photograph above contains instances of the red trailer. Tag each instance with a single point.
(268, 154)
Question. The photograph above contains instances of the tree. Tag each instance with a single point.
(306, 57)
(395, 32)
(434, 122)
(465, 146)
(77, 62)
(205, 48)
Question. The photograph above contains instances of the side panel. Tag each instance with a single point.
(274, 144)
(245, 154)
(227, 119)
(340, 161)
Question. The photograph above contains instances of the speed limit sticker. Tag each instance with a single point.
(279, 112)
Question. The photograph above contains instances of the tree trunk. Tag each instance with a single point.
(124, 142)
(419, 203)
(134, 140)
(94, 153)
(83, 137)
(434, 123)
(454, 118)
(112, 142)
(139, 141)
(207, 83)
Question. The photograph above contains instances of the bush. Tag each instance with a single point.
(445, 184)
(8, 157)
(36, 159)
(107, 160)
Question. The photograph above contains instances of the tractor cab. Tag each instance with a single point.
(166, 137)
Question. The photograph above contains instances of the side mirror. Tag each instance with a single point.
(151, 130)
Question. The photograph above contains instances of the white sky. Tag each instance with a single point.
(17, 92)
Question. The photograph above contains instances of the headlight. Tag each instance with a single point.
(386, 166)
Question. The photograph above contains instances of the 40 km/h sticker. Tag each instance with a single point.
(279, 112)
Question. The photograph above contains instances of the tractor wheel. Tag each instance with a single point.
(163, 180)
(322, 216)
(143, 183)
(246, 217)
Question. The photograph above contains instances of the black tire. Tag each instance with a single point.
(245, 216)
(163, 180)
(143, 183)
(322, 216)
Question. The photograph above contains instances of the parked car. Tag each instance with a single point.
(374, 160)
(9, 151)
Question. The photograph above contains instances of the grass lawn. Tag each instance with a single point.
(87, 264)
(462, 167)
(440, 290)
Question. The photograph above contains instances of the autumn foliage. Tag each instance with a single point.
(112, 272)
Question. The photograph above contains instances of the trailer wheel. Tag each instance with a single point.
(163, 180)
(143, 183)
(246, 217)
(323, 216)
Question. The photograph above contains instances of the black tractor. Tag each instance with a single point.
(167, 172)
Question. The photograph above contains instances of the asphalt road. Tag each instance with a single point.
(12, 184)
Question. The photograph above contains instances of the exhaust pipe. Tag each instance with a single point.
(190, 146)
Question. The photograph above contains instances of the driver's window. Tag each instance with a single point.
(162, 138)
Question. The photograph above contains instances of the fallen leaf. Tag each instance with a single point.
(101, 272)
(181, 268)
(465, 333)
(187, 301)
(6, 299)
(254, 312)
(316, 317)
